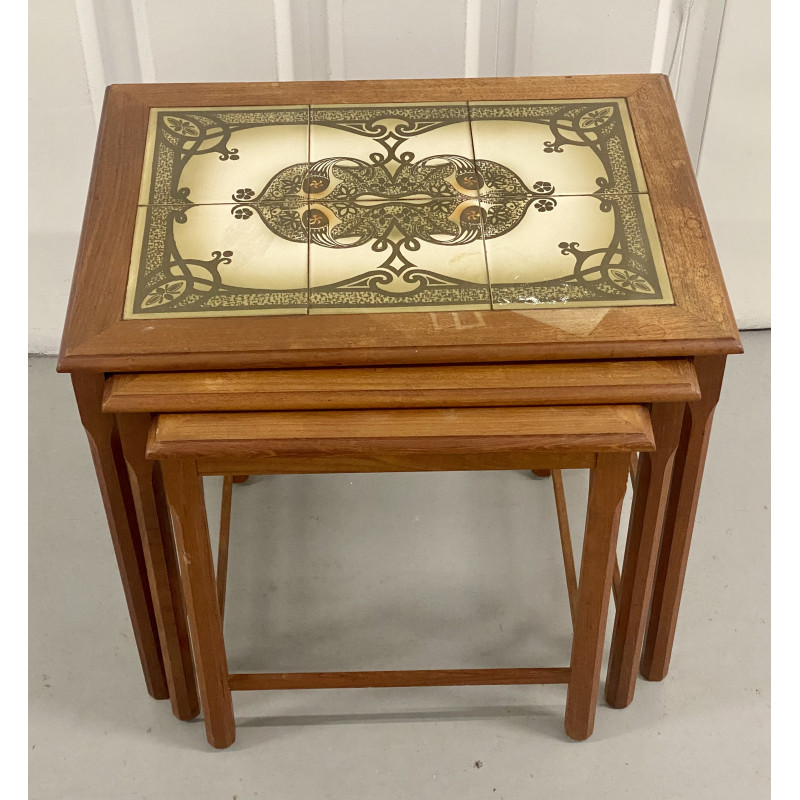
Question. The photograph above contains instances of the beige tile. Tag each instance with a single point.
(400, 151)
(532, 253)
(567, 147)
(219, 260)
(210, 155)
(421, 250)
(396, 256)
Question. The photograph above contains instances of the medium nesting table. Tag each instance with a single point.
(440, 226)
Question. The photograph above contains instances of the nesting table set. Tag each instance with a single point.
(510, 273)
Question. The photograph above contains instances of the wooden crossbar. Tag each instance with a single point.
(413, 677)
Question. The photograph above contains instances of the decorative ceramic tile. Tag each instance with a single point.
(573, 250)
(213, 155)
(400, 152)
(338, 209)
(219, 260)
(555, 147)
(397, 256)
(397, 220)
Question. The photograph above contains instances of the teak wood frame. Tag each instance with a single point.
(599, 437)
(542, 383)
(97, 338)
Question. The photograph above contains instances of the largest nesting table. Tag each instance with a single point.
(417, 225)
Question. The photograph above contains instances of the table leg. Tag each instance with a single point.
(606, 493)
(641, 551)
(162, 565)
(112, 478)
(185, 497)
(679, 520)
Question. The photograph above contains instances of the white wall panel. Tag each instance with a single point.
(575, 37)
(122, 34)
(203, 40)
(734, 168)
(311, 21)
(498, 38)
(78, 47)
(691, 41)
(61, 136)
(410, 39)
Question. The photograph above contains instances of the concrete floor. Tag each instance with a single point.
(399, 571)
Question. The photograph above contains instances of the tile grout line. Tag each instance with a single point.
(308, 211)
(306, 199)
(480, 208)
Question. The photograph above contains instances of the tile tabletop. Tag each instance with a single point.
(402, 207)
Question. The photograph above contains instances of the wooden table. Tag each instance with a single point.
(378, 223)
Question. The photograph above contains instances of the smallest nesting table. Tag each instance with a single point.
(407, 224)
(600, 438)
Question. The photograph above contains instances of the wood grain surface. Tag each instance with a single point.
(393, 461)
(641, 551)
(184, 489)
(563, 429)
(258, 681)
(547, 383)
(606, 492)
(118, 501)
(96, 338)
(162, 565)
(679, 520)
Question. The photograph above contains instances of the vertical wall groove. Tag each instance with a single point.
(144, 47)
(676, 64)
(523, 39)
(284, 46)
(472, 39)
(658, 62)
(498, 21)
(699, 27)
(92, 55)
(711, 86)
(335, 26)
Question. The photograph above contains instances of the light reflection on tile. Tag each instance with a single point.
(576, 250)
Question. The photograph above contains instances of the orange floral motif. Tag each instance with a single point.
(471, 216)
(316, 219)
